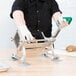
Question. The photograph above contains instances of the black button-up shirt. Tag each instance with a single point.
(37, 13)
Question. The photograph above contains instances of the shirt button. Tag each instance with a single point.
(38, 21)
(37, 11)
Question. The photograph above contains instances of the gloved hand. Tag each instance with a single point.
(24, 32)
(62, 22)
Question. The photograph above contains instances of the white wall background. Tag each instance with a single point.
(7, 26)
(67, 35)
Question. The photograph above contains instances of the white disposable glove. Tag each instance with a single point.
(61, 22)
(24, 32)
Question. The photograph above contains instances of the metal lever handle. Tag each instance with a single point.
(58, 30)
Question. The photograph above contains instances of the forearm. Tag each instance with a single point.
(57, 16)
(18, 16)
(19, 19)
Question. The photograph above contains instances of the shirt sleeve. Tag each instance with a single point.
(17, 5)
(54, 7)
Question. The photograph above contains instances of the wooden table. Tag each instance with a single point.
(39, 66)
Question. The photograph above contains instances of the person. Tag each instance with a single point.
(34, 17)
